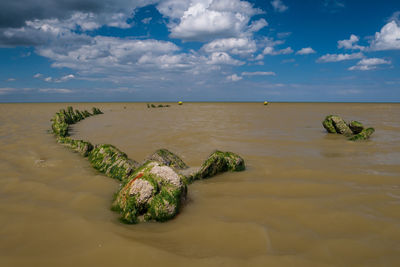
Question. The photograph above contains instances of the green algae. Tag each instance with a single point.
(363, 135)
(218, 162)
(111, 161)
(356, 127)
(166, 157)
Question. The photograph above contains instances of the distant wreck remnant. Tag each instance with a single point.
(354, 130)
(152, 191)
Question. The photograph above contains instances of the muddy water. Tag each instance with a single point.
(305, 199)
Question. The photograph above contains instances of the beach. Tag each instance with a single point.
(305, 198)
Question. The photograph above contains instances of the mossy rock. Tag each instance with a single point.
(64, 118)
(111, 161)
(80, 146)
(166, 157)
(335, 124)
(328, 124)
(216, 163)
(356, 127)
(363, 135)
(154, 192)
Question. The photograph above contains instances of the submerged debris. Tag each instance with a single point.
(158, 106)
(354, 130)
(153, 191)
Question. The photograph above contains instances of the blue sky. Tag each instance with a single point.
(199, 50)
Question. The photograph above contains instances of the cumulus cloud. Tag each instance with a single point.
(203, 20)
(305, 51)
(369, 64)
(234, 78)
(259, 73)
(235, 46)
(14, 14)
(37, 75)
(278, 6)
(270, 50)
(351, 43)
(217, 58)
(339, 57)
(388, 38)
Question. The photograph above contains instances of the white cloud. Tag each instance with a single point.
(146, 20)
(339, 57)
(279, 6)
(203, 20)
(257, 25)
(65, 78)
(11, 80)
(218, 58)
(6, 90)
(56, 90)
(48, 79)
(305, 51)
(259, 73)
(37, 75)
(235, 46)
(234, 78)
(351, 43)
(388, 38)
(369, 64)
(270, 50)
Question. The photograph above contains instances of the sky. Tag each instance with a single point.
(199, 50)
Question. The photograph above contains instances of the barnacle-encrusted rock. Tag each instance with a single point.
(363, 135)
(155, 192)
(354, 130)
(166, 157)
(356, 127)
(111, 161)
(218, 162)
(80, 146)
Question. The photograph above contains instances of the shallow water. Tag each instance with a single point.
(306, 198)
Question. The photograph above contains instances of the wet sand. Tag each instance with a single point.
(306, 198)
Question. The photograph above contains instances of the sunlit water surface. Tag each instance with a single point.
(306, 198)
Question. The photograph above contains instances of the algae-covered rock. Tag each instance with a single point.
(218, 162)
(166, 157)
(356, 127)
(80, 146)
(64, 118)
(110, 160)
(96, 111)
(155, 192)
(328, 124)
(335, 124)
(354, 130)
(341, 126)
(363, 135)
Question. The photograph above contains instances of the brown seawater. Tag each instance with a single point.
(306, 198)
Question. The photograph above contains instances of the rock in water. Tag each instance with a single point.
(341, 126)
(111, 161)
(218, 162)
(154, 192)
(363, 135)
(166, 157)
(356, 127)
(328, 124)
(80, 146)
